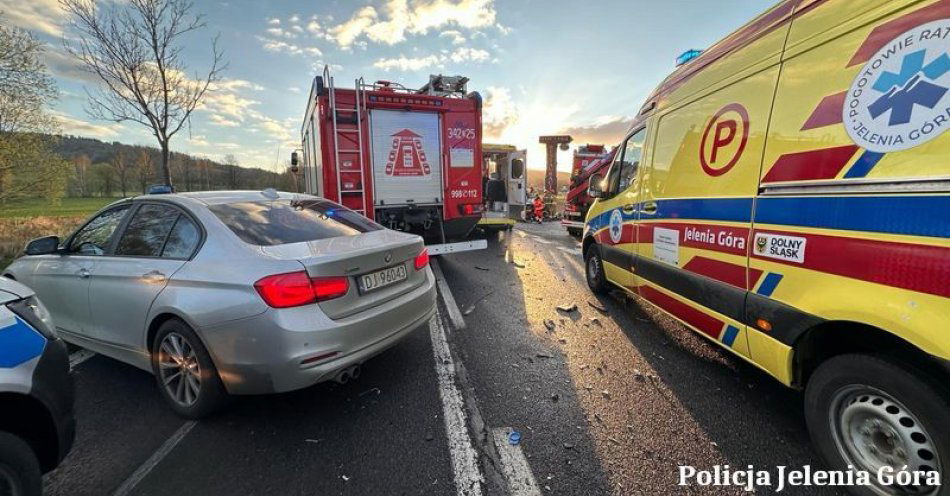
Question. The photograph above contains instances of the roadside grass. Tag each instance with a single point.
(68, 207)
(16, 232)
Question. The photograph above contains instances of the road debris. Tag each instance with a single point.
(568, 446)
(555, 397)
(514, 438)
(595, 320)
(471, 308)
(370, 390)
(544, 355)
(486, 269)
(314, 441)
(549, 324)
(345, 478)
(568, 308)
(597, 306)
(518, 264)
(605, 394)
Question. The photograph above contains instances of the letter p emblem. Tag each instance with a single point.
(718, 149)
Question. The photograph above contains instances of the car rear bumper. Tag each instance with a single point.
(281, 349)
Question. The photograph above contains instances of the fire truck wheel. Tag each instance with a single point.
(596, 279)
(878, 416)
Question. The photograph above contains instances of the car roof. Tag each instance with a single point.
(206, 198)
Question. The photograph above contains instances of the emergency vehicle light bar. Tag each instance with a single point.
(687, 56)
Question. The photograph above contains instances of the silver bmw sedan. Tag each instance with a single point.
(237, 292)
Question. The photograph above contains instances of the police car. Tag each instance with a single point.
(36, 392)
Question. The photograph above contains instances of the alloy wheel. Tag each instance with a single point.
(179, 369)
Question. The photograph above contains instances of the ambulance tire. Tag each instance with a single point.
(886, 381)
(19, 468)
(594, 270)
(575, 232)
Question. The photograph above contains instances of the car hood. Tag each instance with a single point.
(11, 290)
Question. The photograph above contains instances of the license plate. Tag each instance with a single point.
(382, 278)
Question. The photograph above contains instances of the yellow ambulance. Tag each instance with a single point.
(786, 194)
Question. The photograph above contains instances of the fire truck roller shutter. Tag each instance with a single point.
(407, 157)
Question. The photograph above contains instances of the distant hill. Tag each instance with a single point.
(536, 178)
(189, 173)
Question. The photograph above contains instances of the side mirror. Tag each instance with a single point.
(294, 158)
(43, 246)
(595, 189)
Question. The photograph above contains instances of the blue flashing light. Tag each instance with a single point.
(160, 189)
(687, 56)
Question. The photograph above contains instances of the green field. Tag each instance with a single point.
(68, 207)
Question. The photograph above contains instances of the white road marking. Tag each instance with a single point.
(455, 315)
(468, 477)
(514, 465)
(156, 458)
(572, 251)
(539, 239)
(78, 357)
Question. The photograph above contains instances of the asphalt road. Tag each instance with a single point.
(607, 401)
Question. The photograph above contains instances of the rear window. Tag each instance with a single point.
(269, 223)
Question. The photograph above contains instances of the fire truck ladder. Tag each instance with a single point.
(358, 106)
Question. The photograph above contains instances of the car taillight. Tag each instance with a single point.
(422, 259)
(297, 288)
(328, 288)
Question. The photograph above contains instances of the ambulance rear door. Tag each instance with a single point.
(517, 195)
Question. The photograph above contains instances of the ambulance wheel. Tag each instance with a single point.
(20, 472)
(575, 232)
(594, 263)
(877, 416)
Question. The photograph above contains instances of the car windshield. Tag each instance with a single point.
(269, 223)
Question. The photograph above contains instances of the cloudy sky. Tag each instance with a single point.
(543, 66)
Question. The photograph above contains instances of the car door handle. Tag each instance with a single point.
(649, 207)
(153, 277)
(629, 208)
(83, 273)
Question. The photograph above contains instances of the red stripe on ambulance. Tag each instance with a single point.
(700, 320)
(915, 267)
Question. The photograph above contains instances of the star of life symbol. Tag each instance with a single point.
(616, 226)
(407, 157)
(899, 99)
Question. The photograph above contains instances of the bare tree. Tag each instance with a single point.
(144, 168)
(121, 167)
(135, 48)
(81, 166)
(28, 165)
(231, 162)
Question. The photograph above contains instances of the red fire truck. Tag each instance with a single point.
(588, 160)
(408, 159)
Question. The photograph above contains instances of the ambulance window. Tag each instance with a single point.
(630, 161)
(613, 176)
(517, 168)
